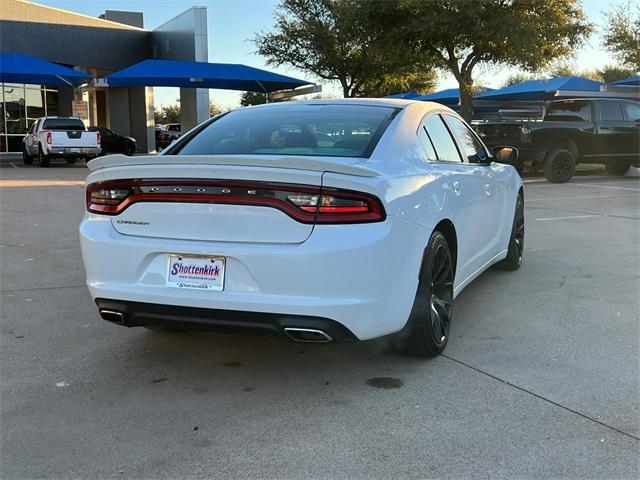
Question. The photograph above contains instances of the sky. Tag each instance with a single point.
(231, 23)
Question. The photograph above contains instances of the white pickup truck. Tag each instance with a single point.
(59, 137)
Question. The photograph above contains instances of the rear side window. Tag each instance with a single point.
(319, 130)
(609, 111)
(632, 111)
(63, 124)
(572, 111)
(441, 139)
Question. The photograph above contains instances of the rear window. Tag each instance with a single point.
(323, 130)
(573, 111)
(63, 124)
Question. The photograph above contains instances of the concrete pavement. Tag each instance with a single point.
(541, 377)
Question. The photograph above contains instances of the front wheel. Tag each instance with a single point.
(617, 168)
(71, 161)
(26, 158)
(130, 149)
(513, 260)
(43, 158)
(427, 331)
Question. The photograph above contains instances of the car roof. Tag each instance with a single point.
(373, 102)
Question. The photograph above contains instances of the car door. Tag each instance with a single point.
(31, 139)
(611, 128)
(465, 197)
(490, 208)
(631, 111)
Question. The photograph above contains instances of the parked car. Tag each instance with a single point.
(249, 222)
(173, 131)
(59, 137)
(605, 131)
(114, 143)
(162, 140)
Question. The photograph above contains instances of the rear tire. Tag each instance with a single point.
(427, 331)
(559, 165)
(26, 158)
(513, 260)
(43, 158)
(617, 168)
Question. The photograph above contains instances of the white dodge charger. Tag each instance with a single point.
(323, 220)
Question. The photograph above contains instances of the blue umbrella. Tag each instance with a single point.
(178, 73)
(21, 68)
(541, 89)
(632, 81)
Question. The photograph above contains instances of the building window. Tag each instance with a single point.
(20, 106)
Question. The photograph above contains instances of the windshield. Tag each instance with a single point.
(323, 130)
(63, 124)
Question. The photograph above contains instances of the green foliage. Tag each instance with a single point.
(214, 109)
(252, 98)
(167, 114)
(333, 40)
(621, 35)
(458, 35)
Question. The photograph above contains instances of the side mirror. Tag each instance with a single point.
(508, 155)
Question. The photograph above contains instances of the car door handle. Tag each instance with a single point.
(456, 188)
(487, 189)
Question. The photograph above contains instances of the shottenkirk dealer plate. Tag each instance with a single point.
(197, 273)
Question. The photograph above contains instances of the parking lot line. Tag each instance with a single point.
(605, 186)
(569, 217)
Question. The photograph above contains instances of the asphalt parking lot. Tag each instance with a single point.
(541, 377)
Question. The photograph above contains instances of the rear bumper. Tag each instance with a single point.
(364, 277)
(72, 152)
(136, 314)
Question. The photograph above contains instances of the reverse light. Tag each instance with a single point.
(304, 203)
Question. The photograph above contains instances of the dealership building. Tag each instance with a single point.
(101, 46)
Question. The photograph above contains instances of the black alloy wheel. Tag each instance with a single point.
(441, 295)
(426, 333)
(513, 260)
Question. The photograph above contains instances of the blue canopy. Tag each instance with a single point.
(541, 89)
(178, 73)
(449, 96)
(21, 68)
(633, 81)
(404, 96)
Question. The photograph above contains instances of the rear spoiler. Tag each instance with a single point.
(349, 166)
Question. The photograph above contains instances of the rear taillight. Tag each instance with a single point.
(49, 138)
(304, 203)
(98, 138)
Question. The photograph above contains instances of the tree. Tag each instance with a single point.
(252, 98)
(167, 114)
(214, 109)
(621, 36)
(332, 40)
(458, 35)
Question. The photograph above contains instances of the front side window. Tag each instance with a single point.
(323, 130)
(472, 149)
(632, 111)
(441, 138)
(569, 111)
(609, 111)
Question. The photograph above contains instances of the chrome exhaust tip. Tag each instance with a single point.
(112, 316)
(309, 335)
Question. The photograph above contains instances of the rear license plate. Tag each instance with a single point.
(197, 273)
(74, 150)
